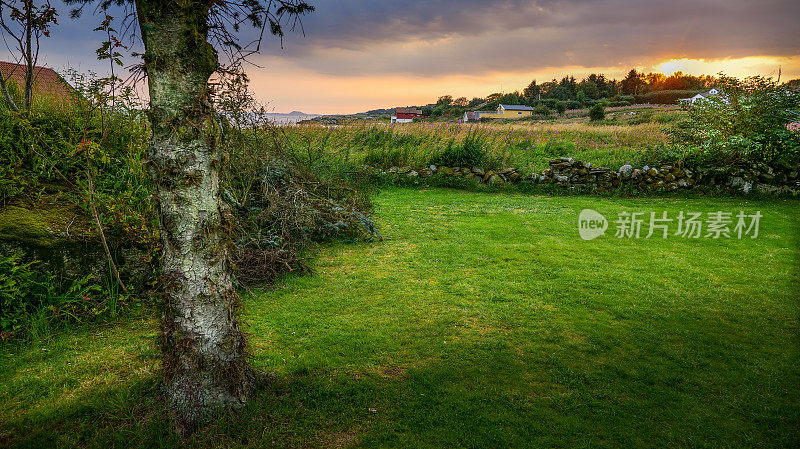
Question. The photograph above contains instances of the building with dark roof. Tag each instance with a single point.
(506, 111)
(46, 82)
(514, 107)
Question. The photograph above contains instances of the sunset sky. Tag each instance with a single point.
(365, 54)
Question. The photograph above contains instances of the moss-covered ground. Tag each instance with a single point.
(43, 222)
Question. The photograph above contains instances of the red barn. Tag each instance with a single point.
(406, 115)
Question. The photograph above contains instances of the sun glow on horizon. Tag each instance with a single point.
(740, 67)
(318, 93)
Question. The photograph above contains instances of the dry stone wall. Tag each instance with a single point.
(571, 173)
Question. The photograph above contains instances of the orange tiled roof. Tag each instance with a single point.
(46, 80)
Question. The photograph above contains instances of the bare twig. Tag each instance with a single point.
(100, 228)
(70, 224)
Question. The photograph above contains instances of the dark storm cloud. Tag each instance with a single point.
(445, 37)
(359, 24)
(346, 37)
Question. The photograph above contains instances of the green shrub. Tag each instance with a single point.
(470, 153)
(47, 154)
(285, 197)
(59, 142)
(288, 189)
(33, 301)
(597, 112)
(541, 109)
(744, 125)
(550, 103)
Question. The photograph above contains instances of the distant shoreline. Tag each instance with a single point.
(290, 118)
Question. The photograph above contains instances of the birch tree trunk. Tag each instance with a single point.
(204, 363)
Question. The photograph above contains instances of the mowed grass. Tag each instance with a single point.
(482, 320)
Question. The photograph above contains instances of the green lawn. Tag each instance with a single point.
(482, 320)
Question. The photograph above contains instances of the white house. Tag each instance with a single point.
(701, 96)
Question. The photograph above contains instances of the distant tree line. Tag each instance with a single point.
(558, 96)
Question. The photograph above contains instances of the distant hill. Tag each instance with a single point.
(378, 112)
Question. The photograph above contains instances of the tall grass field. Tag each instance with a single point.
(525, 146)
